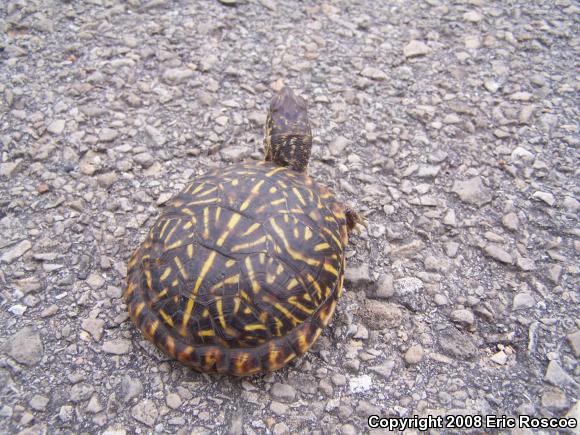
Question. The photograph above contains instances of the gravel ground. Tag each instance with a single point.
(452, 126)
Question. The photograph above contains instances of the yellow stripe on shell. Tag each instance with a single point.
(191, 301)
(166, 317)
(294, 254)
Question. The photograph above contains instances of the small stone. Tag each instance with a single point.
(385, 288)
(174, 76)
(338, 379)
(548, 198)
(107, 179)
(408, 285)
(523, 301)
(520, 153)
(472, 41)
(235, 153)
(66, 413)
(416, 48)
(574, 340)
(338, 145)
(526, 113)
(94, 327)
(440, 299)
(173, 400)
(38, 402)
(491, 85)
(229, 2)
(384, 370)
(500, 358)
(521, 96)
(361, 333)
(414, 354)
(498, 253)
(360, 384)
(457, 344)
(555, 400)
(156, 135)
(25, 346)
(472, 16)
(95, 281)
(278, 408)
(131, 387)
(472, 191)
(373, 73)
(283, 392)
(81, 392)
(280, 428)
(574, 412)
(94, 406)
(463, 317)
(119, 346)
(56, 126)
(108, 135)
(357, 276)
(511, 221)
(570, 204)
(16, 251)
(556, 375)
(379, 315)
(526, 264)
(145, 160)
(145, 412)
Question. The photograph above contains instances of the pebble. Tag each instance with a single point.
(145, 412)
(556, 375)
(175, 76)
(81, 392)
(511, 221)
(414, 354)
(416, 48)
(66, 413)
(384, 370)
(16, 251)
(472, 191)
(108, 135)
(472, 16)
(499, 358)
(158, 138)
(357, 276)
(379, 315)
(456, 344)
(94, 406)
(119, 346)
(574, 340)
(38, 402)
(235, 153)
(94, 327)
(283, 392)
(131, 387)
(107, 179)
(360, 384)
(555, 400)
(337, 146)
(373, 73)
(280, 429)
(95, 281)
(463, 317)
(548, 198)
(173, 400)
(522, 301)
(497, 253)
(56, 126)
(385, 288)
(278, 408)
(26, 346)
(145, 160)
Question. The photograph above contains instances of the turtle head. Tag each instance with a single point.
(288, 136)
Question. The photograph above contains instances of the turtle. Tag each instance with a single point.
(244, 267)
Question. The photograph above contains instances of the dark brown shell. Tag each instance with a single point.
(241, 271)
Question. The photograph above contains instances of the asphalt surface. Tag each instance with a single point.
(451, 125)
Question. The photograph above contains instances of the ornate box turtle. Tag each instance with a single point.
(244, 267)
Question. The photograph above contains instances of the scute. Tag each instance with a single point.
(241, 271)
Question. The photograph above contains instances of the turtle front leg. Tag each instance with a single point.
(353, 219)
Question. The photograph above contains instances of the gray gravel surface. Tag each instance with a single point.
(452, 126)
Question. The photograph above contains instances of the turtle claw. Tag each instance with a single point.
(355, 221)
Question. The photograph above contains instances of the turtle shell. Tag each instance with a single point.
(242, 270)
